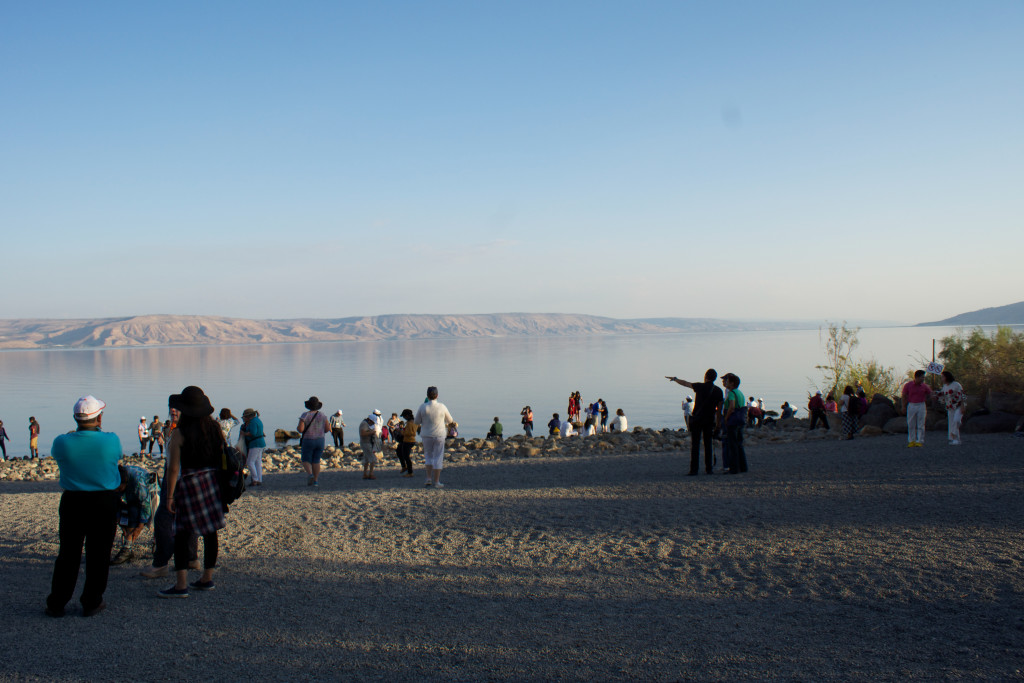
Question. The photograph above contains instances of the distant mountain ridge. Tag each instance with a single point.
(169, 330)
(1011, 314)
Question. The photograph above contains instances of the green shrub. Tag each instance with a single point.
(982, 361)
(840, 369)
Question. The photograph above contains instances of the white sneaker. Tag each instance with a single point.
(439, 485)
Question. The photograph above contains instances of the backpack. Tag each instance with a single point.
(860, 406)
(230, 475)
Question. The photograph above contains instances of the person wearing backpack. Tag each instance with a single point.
(847, 411)
(313, 426)
(194, 451)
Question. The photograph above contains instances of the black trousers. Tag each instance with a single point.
(185, 552)
(163, 533)
(404, 449)
(737, 455)
(697, 431)
(819, 415)
(88, 517)
(339, 437)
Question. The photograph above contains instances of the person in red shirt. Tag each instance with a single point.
(816, 407)
(915, 398)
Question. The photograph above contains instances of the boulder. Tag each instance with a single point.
(991, 423)
(284, 435)
(1000, 402)
(528, 452)
(879, 412)
(883, 399)
(897, 425)
(870, 430)
(974, 404)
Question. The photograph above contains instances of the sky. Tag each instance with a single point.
(744, 160)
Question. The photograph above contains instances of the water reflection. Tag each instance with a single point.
(478, 378)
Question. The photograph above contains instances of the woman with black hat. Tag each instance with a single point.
(194, 451)
(407, 440)
(313, 426)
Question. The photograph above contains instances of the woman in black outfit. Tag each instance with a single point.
(194, 451)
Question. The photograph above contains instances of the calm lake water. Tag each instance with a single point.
(478, 378)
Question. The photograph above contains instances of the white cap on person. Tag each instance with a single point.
(88, 407)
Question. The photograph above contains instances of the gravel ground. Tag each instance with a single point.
(859, 560)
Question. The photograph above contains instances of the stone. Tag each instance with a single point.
(870, 430)
(897, 425)
(1000, 402)
(990, 424)
(879, 412)
(528, 452)
(284, 435)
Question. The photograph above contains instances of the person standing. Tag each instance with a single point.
(735, 418)
(338, 429)
(603, 407)
(687, 411)
(194, 453)
(369, 444)
(313, 426)
(255, 441)
(392, 429)
(33, 438)
(433, 419)
(87, 459)
(408, 440)
(163, 521)
(847, 411)
(156, 434)
(816, 407)
(527, 420)
(703, 420)
(143, 435)
(915, 396)
(3, 437)
(952, 396)
(227, 422)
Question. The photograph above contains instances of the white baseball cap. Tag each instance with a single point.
(338, 413)
(376, 411)
(88, 407)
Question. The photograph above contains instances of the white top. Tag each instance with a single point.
(620, 423)
(566, 428)
(336, 421)
(687, 408)
(378, 423)
(587, 431)
(433, 419)
(143, 430)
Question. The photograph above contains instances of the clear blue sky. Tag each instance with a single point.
(731, 159)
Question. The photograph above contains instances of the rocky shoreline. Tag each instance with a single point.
(880, 419)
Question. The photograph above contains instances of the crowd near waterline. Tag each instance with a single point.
(101, 492)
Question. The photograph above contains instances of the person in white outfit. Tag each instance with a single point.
(952, 396)
(433, 419)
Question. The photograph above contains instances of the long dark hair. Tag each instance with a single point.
(201, 438)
